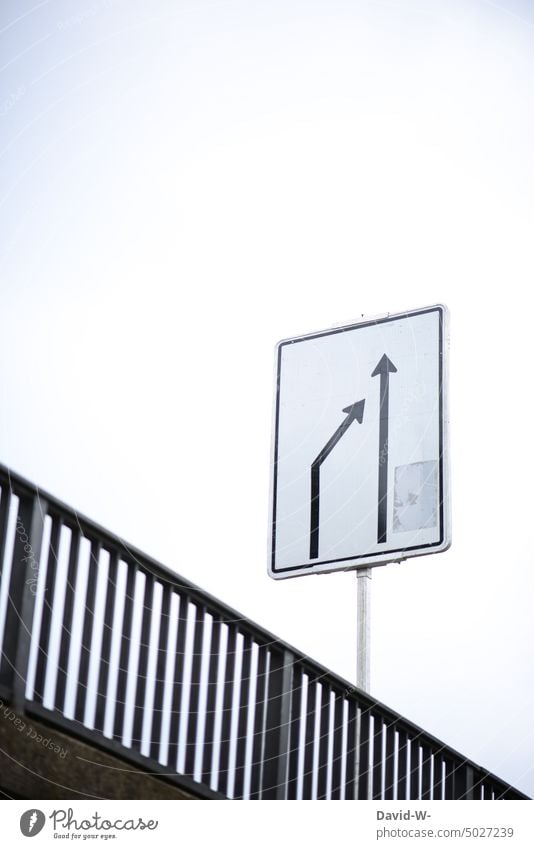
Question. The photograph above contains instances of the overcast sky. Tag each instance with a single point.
(186, 183)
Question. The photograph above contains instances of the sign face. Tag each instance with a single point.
(360, 445)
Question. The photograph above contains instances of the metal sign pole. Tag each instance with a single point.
(363, 644)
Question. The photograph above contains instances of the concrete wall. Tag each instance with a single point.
(38, 762)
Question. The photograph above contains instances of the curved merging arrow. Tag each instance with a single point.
(383, 368)
(354, 411)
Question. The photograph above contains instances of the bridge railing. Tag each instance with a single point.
(105, 643)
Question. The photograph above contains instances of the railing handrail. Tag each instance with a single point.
(229, 616)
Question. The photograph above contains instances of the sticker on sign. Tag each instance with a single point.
(359, 472)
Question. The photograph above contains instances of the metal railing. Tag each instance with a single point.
(106, 644)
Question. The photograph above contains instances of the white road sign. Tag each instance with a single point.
(360, 445)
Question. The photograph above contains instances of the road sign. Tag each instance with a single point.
(360, 445)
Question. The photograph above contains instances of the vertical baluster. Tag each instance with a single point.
(46, 616)
(337, 751)
(309, 738)
(178, 682)
(324, 719)
(256, 776)
(425, 775)
(161, 663)
(363, 778)
(228, 695)
(211, 699)
(389, 785)
(351, 771)
(105, 651)
(294, 734)
(402, 766)
(124, 653)
(437, 790)
(194, 697)
(142, 664)
(378, 727)
(87, 632)
(414, 770)
(243, 718)
(66, 630)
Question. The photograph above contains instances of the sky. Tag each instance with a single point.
(183, 184)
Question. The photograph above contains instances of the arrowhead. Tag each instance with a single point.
(355, 411)
(384, 365)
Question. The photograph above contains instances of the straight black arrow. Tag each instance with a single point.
(354, 411)
(384, 368)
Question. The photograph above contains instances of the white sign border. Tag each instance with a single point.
(396, 555)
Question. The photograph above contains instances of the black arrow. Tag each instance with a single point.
(354, 411)
(384, 367)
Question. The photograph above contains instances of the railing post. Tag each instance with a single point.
(276, 759)
(22, 592)
(464, 782)
(469, 783)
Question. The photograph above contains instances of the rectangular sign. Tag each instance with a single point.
(359, 470)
